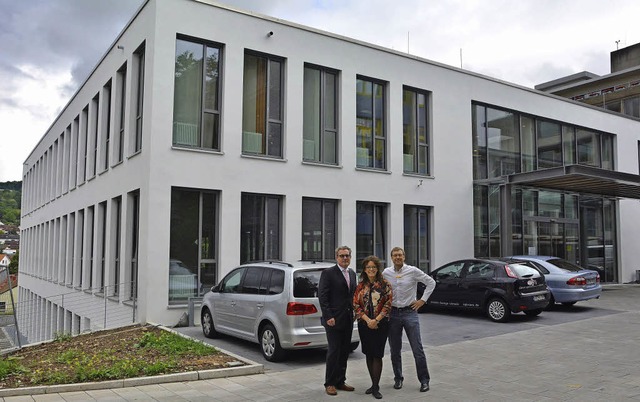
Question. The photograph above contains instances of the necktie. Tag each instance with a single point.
(345, 272)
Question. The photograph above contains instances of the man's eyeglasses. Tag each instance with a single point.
(344, 255)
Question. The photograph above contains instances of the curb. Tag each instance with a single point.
(249, 368)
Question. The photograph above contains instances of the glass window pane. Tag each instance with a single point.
(329, 229)
(479, 143)
(569, 145)
(330, 103)
(528, 135)
(549, 144)
(311, 230)
(272, 226)
(330, 147)
(588, 145)
(275, 86)
(480, 221)
(607, 151)
(187, 93)
(503, 142)
(364, 124)
(408, 130)
(208, 234)
(183, 247)
(274, 139)
(212, 78)
(210, 133)
(380, 154)
(254, 104)
(311, 115)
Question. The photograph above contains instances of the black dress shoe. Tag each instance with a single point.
(424, 387)
(397, 384)
(376, 394)
(369, 390)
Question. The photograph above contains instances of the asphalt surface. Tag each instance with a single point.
(589, 352)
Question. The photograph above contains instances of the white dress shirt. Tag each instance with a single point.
(404, 284)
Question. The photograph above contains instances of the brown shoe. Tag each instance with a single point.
(331, 390)
(345, 387)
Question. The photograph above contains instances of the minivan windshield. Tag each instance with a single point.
(305, 282)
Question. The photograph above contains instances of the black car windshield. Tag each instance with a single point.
(524, 271)
(565, 265)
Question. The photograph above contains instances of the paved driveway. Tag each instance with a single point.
(442, 327)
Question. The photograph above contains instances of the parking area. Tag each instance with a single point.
(443, 327)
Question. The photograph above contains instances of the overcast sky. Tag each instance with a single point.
(48, 47)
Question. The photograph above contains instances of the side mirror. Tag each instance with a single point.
(216, 288)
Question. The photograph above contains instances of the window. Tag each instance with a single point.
(415, 134)
(133, 228)
(196, 106)
(116, 219)
(138, 97)
(121, 106)
(102, 246)
(232, 281)
(549, 136)
(370, 124)
(318, 229)
(95, 110)
(106, 125)
(193, 244)
(252, 279)
(588, 147)
(262, 105)
(503, 143)
(416, 236)
(260, 227)
(84, 144)
(371, 231)
(320, 111)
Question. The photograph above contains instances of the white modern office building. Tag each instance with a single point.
(207, 137)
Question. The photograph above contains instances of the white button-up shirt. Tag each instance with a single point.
(404, 284)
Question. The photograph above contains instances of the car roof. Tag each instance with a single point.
(290, 266)
(534, 257)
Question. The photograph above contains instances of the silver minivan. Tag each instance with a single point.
(274, 304)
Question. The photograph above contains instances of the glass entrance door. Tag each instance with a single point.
(548, 237)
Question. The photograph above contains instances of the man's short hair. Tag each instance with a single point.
(342, 248)
(397, 249)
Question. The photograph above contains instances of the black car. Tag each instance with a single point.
(497, 287)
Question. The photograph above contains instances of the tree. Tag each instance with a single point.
(13, 264)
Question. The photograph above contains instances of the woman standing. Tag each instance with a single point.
(372, 305)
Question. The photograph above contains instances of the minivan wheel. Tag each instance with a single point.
(208, 329)
(270, 344)
(498, 311)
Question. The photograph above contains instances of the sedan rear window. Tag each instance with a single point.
(524, 271)
(305, 283)
(565, 265)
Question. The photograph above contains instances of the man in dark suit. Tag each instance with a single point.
(335, 293)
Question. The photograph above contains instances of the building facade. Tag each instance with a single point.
(207, 137)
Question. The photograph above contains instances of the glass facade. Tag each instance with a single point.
(575, 227)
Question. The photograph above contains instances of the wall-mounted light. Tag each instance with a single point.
(419, 182)
(270, 34)
(120, 47)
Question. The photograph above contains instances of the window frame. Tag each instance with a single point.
(375, 136)
(328, 252)
(320, 143)
(268, 120)
(418, 145)
(204, 111)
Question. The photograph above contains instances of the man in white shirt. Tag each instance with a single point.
(404, 315)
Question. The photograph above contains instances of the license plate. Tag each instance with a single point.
(538, 298)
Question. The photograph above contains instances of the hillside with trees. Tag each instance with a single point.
(10, 199)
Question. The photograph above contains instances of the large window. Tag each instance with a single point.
(320, 126)
(318, 229)
(105, 134)
(371, 231)
(260, 235)
(370, 124)
(196, 105)
(138, 96)
(549, 137)
(262, 105)
(121, 103)
(193, 249)
(416, 237)
(415, 131)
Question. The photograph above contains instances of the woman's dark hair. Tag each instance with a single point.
(363, 274)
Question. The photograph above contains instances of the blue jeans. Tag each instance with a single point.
(408, 320)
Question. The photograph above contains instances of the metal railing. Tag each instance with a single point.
(42, 319)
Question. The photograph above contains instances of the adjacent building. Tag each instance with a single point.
(207, 137)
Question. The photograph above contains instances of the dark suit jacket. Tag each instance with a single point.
(336, 299)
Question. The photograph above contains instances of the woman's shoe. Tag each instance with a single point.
(376, 393)
(369, 390)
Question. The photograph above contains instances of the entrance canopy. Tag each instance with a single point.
(581, 179)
